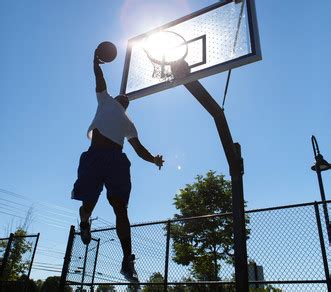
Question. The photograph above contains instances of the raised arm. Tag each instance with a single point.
(144, 154)
(99, 79)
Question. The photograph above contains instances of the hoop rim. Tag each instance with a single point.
(163, 62)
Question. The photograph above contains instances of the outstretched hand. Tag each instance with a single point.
(96, 60)
(158, 160)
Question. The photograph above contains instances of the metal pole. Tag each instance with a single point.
(325, 207)
(95, 264)
(323, 251)
(33, 254)
(239, 227)
(235, 161)
(5, 257)
(319, 161)
(166, 264)
(67, 258)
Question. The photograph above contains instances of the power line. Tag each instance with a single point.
(44, 204)
(48, 255)
(50, 208)
(41, 263)
(47, 247)
(8, 207)
(47, 266)
(11, 215)
(106, 221)
(48, 270)
(11, 193)
(26, 206)
(38, 210)
(50, 219)
(37, 213)
(9, 201)
(51, 251)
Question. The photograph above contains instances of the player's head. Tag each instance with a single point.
(123, 100)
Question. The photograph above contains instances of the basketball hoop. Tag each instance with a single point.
(167, 50)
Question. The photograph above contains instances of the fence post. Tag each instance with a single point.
(320, 233)
(166, 264)
(95, 264)
(67, 258)
(84, 267)
(33, 254)
(5, 256)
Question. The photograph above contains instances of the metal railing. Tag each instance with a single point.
(287, 249)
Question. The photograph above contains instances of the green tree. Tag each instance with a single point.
(30, 285)
(52, 284)
(106, 288)
(155, 278)
(202, 244)
(16, 266)
(133, 288)
(39, 284)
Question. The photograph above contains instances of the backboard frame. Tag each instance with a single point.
(254, 56)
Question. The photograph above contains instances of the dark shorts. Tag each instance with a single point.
(99, 167)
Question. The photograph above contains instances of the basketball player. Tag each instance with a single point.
(106, 164)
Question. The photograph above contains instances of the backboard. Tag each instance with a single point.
(212, 40)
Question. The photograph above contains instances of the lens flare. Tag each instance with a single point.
(165, 47)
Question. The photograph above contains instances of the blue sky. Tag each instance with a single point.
(47, 102)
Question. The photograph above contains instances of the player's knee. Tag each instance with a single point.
(88, 206)
(119, 207)
(120, 211)
(116, 202)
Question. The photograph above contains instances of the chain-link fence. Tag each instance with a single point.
(288, 250)
(16, 259)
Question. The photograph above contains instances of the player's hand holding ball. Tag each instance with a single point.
(105, 52)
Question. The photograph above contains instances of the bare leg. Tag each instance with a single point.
(122, 225)
(124, 235)
(85, 211)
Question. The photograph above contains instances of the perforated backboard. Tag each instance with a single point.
(212, 40)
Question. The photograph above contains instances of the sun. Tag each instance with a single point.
(165, 47)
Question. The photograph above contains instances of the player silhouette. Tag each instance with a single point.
(105, 164)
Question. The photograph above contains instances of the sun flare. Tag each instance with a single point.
(165, 47)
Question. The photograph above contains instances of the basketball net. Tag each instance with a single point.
(168, 72)
(167, 50)
(161, 71)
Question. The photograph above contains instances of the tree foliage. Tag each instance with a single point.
(16, 266)
(30, 285)
(52, 284)
(155, 278)
(106, 288)
(39, 284)
(203, 244)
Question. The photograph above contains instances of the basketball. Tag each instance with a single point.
(180, 69)
(106, 52)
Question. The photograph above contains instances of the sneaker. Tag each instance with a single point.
(128, 270)
(85, 232)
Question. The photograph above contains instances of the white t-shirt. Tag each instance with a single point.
(111, 120)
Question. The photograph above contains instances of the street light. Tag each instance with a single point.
(321, 165)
